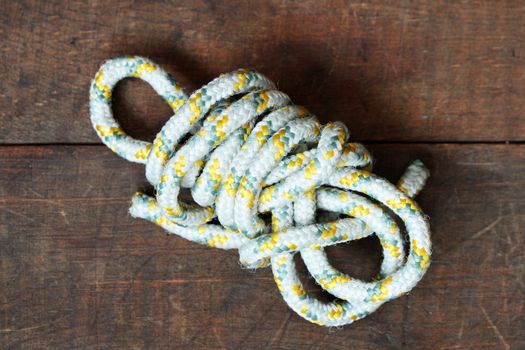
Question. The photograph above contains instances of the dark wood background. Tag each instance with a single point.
(443, 81)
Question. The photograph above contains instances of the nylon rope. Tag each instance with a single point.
(245, 150)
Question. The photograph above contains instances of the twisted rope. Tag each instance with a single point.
(245, 149)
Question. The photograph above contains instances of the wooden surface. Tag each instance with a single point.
(435, 80)
(450, 71)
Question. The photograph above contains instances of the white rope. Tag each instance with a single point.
(245, 149)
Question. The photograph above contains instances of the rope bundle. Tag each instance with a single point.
(245, 149)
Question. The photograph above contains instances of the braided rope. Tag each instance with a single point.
(245, 149)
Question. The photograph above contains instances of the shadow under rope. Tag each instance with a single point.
(331, 93)
(326, 84)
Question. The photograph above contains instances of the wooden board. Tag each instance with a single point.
(436, 80)
(77, 272)
(401, 71)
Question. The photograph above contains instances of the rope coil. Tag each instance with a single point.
(244, 149)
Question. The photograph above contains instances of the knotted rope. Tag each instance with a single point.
(245, 149)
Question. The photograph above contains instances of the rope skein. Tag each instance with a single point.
(244, 149)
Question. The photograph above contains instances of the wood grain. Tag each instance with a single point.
(77, 272)
(392, 71)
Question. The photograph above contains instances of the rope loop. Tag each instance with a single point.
(244, 149)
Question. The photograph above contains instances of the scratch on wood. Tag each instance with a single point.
(19, 214)
(276, 341)
(486, 228)
(164, 282)
(495, 328)
(64, 215)
(9, 330)
(218, 338)
(460, 334)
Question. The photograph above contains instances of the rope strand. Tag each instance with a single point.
(244, 149)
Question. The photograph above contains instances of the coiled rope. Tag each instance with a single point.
(245, 149)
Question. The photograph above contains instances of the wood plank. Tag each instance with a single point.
(78, 272)
(416, 71)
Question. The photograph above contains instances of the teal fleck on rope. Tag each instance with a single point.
(245, 149)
